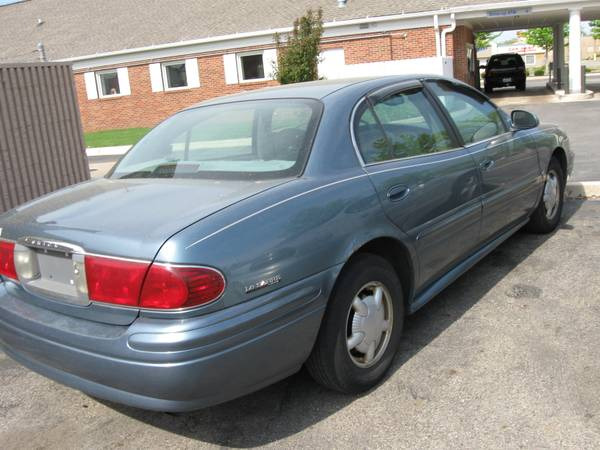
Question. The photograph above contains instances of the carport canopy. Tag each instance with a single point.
(524, 14)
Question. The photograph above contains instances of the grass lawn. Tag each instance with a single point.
(110, 138)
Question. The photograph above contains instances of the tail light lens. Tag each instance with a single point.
(147, 285)
(113, 280)
(7, 260)
(171, 287)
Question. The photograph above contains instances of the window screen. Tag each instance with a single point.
(175, 75)
(109, 83)
(252, 67)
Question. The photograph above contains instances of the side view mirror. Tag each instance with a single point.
(523, 120)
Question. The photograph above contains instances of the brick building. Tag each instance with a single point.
(138, 61)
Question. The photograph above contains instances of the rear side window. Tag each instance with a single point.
(475, 118)
(400, 126)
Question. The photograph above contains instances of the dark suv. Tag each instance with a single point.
(506, 69)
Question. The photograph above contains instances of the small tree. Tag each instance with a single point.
(298, 56)
(483, 39)
(595, 29)
(543, 37)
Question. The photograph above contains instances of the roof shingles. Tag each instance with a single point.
(72, 28)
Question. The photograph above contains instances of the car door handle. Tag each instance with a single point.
(397, 193)
(487, 165)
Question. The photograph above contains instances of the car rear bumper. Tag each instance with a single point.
(169, 364)
(512, 80)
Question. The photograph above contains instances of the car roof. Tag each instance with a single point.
(313, 89)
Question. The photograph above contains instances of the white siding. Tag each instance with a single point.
(156, 77)
(331, 63)
(191, 72)
(230, 65)
(123, 75)
(90, 85)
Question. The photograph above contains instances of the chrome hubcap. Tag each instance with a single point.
(551, 194)
(369, 324)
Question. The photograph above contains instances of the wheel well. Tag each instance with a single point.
(398, 256)
(561, 156)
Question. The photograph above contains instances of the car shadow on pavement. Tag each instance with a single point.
(296, 403)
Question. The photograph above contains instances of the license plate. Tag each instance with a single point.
(506, 80)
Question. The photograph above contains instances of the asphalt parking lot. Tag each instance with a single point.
(508, 356)
(580, 121)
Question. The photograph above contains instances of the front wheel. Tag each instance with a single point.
(546, 216)
(361, 329)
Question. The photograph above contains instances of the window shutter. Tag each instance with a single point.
(270, 62)
(156, 80)
(230, 65)
(90, 85)
(191, 72)
(123, 76)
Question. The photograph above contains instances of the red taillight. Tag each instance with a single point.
(7, 260)
(146, 285)
(114, 280)
(172, 287)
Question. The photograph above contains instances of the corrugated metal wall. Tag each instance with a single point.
(41, 142)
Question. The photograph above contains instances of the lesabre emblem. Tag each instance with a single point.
(262, 284)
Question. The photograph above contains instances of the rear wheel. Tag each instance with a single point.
(546, 216)
(361, 329)
(521, 86)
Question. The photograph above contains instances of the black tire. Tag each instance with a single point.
(541, 220)
(488, 89)
(521, 86)
(330, 362)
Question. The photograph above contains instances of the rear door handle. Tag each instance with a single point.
(397, 193)
(487, 165)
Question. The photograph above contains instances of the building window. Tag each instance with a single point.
(108, 83)
(529, 59)
(251, 66)
(175, 75)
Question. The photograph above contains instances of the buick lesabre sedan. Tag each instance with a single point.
(251, 235)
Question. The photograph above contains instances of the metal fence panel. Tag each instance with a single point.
(41, 140)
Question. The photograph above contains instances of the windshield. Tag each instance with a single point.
(240, 140)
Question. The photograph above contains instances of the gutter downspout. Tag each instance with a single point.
(436, 30)
(445, 32)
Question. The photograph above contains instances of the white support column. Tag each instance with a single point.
(575, 51)
(558, 52)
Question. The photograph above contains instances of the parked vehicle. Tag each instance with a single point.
(249, 235)
(506, 69)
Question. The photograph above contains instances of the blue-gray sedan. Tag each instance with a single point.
(253, 234)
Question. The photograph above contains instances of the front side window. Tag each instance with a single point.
(400, 126)
(108, 83)
(475, 118)
(252, 67)
(241, 140)
(175, 75)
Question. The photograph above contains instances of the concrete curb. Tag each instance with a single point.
(107, 151)
(583, 189)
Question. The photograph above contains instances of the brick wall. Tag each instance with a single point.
(144, 108)
(456, 46)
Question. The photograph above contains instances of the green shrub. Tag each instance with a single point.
(539, 71)
(298, 57)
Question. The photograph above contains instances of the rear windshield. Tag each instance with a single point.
(240, 140)
(506, 61)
